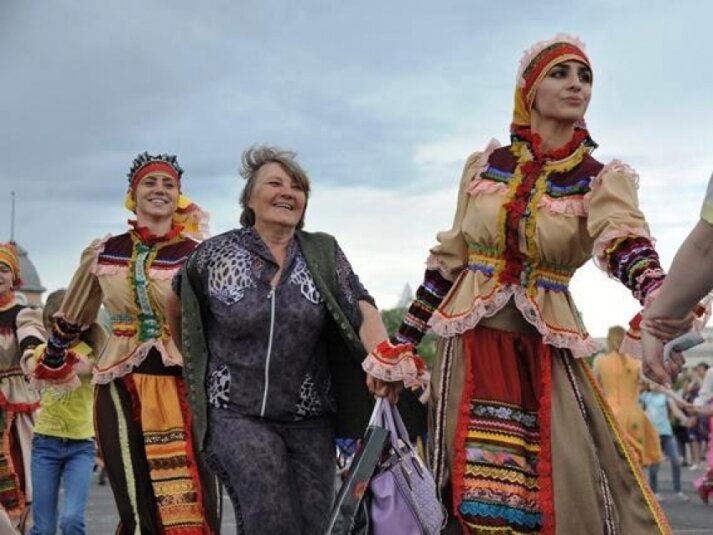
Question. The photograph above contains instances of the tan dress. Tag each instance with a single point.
(20, 329)
(549, 457)
(142, 420)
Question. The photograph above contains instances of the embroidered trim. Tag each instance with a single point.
(579, 343)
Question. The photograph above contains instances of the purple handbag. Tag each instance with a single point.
(403, 493)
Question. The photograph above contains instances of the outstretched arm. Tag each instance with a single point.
(690, 277)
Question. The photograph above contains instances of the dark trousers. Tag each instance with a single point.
(280, 476)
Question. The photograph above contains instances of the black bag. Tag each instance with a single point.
(349, 514)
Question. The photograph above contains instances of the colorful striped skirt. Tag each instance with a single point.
(160, 483)
(528, 443)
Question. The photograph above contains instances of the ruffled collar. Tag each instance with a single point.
(149, 238)
(580, 138)
(7, 300)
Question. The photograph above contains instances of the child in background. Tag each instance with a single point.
(657, 405)
(63, 444)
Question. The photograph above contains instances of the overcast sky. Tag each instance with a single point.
(383, 101)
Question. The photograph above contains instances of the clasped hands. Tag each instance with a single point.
(655, 332)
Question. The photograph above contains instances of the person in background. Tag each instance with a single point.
(618, 374)
(680, 427)
(659, 406)
(688, 282)
(20, 332)
(703, 407)
(63, 444)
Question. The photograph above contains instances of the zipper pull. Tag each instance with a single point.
(271, 293)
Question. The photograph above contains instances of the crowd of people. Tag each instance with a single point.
(238, 360)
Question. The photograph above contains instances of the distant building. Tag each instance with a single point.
(31, 290)
(406, 297)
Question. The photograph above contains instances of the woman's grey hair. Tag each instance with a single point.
(252, 161)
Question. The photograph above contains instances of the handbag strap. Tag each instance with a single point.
(396, 427)
(377, 415)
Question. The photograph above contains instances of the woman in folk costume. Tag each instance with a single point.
(141, 415)
(20, 331)
(618, 375)
(522, 438)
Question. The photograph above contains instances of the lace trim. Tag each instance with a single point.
(482, 164)
(393, 363)
(532, 52)
(139, 354)
(581, 345)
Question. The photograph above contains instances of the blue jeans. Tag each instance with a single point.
(54, 459)
(668, 445)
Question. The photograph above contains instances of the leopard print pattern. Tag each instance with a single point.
(309, 403)
(301, 277)
(231, 268)
(219, 387)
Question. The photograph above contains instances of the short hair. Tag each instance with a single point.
(52, 304)
(253, 160)
(615, 337)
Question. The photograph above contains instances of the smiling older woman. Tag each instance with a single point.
(522, 438)
(284, 317)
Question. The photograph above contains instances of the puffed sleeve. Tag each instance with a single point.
(446, 261)
(451, 254)
(84, 297)
(30, 330)
(78, 311)
(623, 246)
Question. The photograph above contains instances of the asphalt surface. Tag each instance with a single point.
(689, 518)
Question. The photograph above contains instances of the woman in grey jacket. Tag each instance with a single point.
(273, 301)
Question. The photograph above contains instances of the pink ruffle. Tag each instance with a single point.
(486, 186)
(482, 164)
(581, 345)
(137, 357)
(163, 274)
(573, 206)
(538, 47)
(603, 242)
(618, 167)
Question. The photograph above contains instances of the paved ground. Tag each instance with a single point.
(691, 518)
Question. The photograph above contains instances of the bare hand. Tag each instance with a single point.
(653, 366)
(667, 328)
(384, 389)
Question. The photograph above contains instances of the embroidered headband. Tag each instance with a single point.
(8, 256)
(536, 62)
(188, 214)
